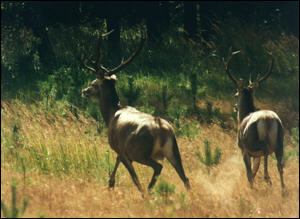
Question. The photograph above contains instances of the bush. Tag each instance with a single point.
(164, 189)
(14, 212)
(131, 92)
(295, 135)
(207, 159)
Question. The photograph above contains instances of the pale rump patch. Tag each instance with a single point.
(267, 128)
(262, 114)
(160, 151)
(273, 132)
(168, 148)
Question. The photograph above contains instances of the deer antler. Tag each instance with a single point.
(230, 54)
(123, 63)
(97, 64)
(269, 70)
(100, 70)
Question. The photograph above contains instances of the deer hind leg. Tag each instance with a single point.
(279, 155)
(247, 162)
(266, 174)
(128, 164)
(112, 176)
(174, 158)
(255, 166)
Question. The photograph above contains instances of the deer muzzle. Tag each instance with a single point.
(85, 93)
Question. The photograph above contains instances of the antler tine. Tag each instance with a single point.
(83, 63)
(125, 63)
(269, 70)
(106, 34)
(89, 68)
(230, 54)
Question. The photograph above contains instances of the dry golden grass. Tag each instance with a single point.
(225, 192)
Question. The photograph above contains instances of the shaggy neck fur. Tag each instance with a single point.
(109, 101)
(245, 105)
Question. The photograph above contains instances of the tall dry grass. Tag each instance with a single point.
(62, 164)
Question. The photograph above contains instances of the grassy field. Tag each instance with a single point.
(54, 147)
(61, 163)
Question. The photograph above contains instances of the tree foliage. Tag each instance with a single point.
(44, 46)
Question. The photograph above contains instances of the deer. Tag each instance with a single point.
(132, 134)
(259, 132)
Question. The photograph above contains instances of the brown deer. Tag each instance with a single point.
(260, 133)
(133, 135)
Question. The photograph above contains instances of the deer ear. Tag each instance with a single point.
(240, 84)
(255, 84)
(113, 77)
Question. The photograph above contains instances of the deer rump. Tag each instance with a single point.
(259, 132)
(140, 136)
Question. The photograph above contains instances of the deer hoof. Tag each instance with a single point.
(268, 180)
(284, 192)
(111, 183)
(251, 184)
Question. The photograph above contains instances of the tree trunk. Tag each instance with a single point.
(152, 11)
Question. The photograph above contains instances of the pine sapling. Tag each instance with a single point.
(208, 159)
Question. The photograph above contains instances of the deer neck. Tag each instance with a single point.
(245, 107)
(109, 104)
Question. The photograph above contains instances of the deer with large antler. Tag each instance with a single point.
(260, 133)
(133, 135)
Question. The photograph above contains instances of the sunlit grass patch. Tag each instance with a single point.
(53, 141)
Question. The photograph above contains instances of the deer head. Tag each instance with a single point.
(103, 89)
(105, 78)
(244, 93)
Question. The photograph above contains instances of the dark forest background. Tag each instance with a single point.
(44, 46)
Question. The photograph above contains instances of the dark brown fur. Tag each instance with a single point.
(135, 136)
(260, 133)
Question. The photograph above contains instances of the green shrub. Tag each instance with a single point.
(208, 159)
(295, 135)
(188, 130)
(164, 189)
(14, 212)
(131, 92)
(164, 98)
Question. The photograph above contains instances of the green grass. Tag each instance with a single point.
(45, 144)
(14, 211)
(163, 190)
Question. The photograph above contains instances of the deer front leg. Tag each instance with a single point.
(112, 176)
(127, 163)
(157, 167)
